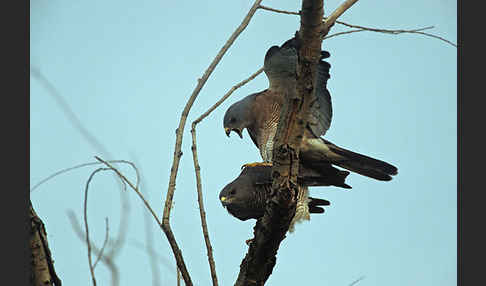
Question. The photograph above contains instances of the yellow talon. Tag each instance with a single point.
(256, 164)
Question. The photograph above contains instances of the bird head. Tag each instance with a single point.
(237, 117)
(238, 197)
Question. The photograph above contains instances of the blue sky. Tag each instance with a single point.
(126, 69)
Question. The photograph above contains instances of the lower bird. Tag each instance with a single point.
(246, 196)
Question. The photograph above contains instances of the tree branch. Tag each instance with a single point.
(329, 22)
(270, 229)
(362, 28)
(179, 134)
(198, 172)
(43, 272)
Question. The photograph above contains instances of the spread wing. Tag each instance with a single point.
(321, 109)
(280, 67)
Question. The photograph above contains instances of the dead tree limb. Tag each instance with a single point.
(363, 28)
(43, 272)
(270, 229)
(179, 134)
(198, 173)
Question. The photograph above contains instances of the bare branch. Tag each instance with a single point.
(107, 260)
(96, 144)
(277, 10)
(363, 28)
(198, 175)
(72, 117)
(392, 32)
(109, 257)
(104, 244)
(149, 237)
(343, 33)
(179, 134)
(329, 22)
(134, 187)
(226, 95)
(202, 212)
(80, 166)
(86, 228)
(437, 37)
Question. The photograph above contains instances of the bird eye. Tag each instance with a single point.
(233, 192)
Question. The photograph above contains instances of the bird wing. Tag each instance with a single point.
(321, 109)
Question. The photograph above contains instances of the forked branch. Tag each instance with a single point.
(179, 134)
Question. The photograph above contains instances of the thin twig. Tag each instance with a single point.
(343, 33)
(80, 166)
(72, 117)
(202, 212)
(198, 175)
(363, 28)
(86, 229)
(329, 22)
(97, 145)
(357, 280)
(437, 37)
(149, 236)
(179, 134)
(107, 260)
(393, 32)
(277, 10)
(227, 94)
(134, 187)
(104, 243)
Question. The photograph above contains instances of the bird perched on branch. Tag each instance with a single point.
(246, 196)
(259, 113)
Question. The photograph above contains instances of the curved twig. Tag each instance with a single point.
(107, 260)
(100, 254)
(84, 165)
(86, 228)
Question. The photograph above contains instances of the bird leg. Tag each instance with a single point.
(256, 164)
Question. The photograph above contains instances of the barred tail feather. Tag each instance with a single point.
(362, 164)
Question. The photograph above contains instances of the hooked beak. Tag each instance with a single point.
(223, 201)
(237, 131)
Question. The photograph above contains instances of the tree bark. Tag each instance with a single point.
(42, 265)
(270, 229)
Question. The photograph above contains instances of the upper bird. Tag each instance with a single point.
(259, 113)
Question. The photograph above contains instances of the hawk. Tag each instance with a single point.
(259, 113)
(246, 196)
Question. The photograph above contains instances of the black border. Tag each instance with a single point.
(15, 140)
(471, 128)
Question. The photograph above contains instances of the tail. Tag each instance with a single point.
(314, 205)
(322, 174)
(361, 164)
